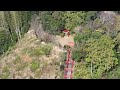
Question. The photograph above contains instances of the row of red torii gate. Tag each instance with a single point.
(69, 63)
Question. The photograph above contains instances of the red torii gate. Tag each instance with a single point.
(69, 63)
(68, 32)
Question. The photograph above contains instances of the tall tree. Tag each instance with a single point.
(13, 24)
(52, 21)
(16, 23)
(100, 53)
(73, 18)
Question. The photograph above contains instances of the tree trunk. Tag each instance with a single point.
(91, 69)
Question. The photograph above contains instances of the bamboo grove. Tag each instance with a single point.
(13, 25)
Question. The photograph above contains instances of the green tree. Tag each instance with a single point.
(73, 19)
(80, 41)
(51, 21)
(101, 55)
(4, 40)
(97, 53)
(13, 24)
(91, 15)
(81, 71)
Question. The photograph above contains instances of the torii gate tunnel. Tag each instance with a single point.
(69, 63)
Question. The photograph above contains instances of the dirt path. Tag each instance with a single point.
(64, 40)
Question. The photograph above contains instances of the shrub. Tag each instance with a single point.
(62, 34)
(5, 73)
(66, 46)
(47, 49)
(34, 66)
(91, 15)
(96, 35)
(87, 34)
(81, 71)
(63, 56)
(76, 55)
(51, 21)
(97, 23)
(114, 74)
(41, 50)
(48, 38)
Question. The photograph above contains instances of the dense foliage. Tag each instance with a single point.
(13, 25)
(97, 37)
(55, 21)
(52, 21)
(97, 51)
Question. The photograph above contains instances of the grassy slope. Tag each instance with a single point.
(19, 61)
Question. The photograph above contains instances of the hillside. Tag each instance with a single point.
(20, 63)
